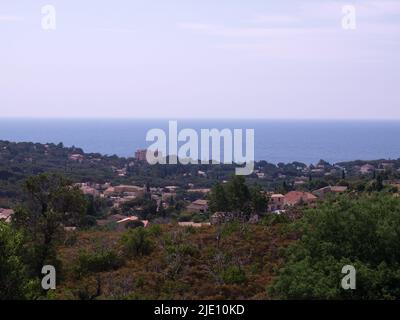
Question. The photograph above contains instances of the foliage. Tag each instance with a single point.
(234, 275)
(52, 202)
(236, 196)
(13, 272)
(136, 242)
(98, 261)
(363, 232)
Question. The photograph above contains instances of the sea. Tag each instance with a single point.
(276, 141)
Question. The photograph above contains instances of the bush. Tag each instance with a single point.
(199, 218)
(98, 261)
(71, 239)
(233, 275)
(273, 219)
(231, 228)
(88, 222)
(136, 242)
(363, 232)
(185, 217)
(155, 230)
(183, 250)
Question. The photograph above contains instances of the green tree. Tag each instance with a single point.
(218, 199)
(136, 242)
(363, 232)
(238, 195)
(13, 272)
(235, 196)
(259, 201)
(52, 203)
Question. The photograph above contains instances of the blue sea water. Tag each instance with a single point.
(275, 140)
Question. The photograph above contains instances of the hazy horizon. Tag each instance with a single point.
(203, 118)
(176, 59)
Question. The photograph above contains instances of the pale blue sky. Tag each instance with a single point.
(203, 58)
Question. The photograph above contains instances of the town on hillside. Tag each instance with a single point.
(128, 192)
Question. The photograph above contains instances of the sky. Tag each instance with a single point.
(261, 59)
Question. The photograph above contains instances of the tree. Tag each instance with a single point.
(379, 182)
(218, 199)
(136, 242)
(52, 203)
(238, 195)
(363, 232)
(259, 201)
(13, 272)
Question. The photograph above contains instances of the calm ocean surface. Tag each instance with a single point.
(275, 140)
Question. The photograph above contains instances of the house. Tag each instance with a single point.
(6, 214)
(339, 189)
(128, 188)
(367, 168)
(204, 190)
(199, 206)
(76, 157)
(201, 173)
(260, 175)
(121, 225)
(109, 191)
(320, 193)
(276, 202)
(194, 224)
(166, 196)
(121, 172)
(387, 165)
(88, 190)
(293, 198)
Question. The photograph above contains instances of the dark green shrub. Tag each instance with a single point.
(136, 242)
(233, 275)
(98, 261)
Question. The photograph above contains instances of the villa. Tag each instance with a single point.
(199, 206)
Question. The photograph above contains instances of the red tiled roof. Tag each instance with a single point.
(295, 197)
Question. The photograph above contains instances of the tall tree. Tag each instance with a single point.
(52, 203)
(259, 201)
(238, 194)
(218, 199)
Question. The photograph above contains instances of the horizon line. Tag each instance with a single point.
(193, 118)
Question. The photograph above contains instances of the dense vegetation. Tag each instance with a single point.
(296, 255)
(276, 258)
(363, 232)
(18, 161)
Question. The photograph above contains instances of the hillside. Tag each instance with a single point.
(232, 262)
